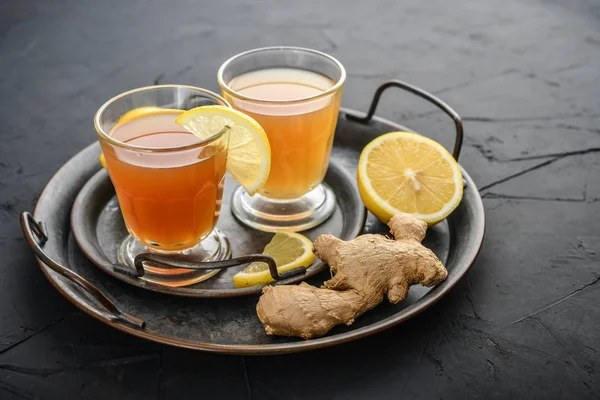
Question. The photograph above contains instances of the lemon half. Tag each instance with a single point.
(402, 172)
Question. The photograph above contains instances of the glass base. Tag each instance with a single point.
(271, 215)
(214, 247)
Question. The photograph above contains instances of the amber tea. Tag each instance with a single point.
(295, 94)
(300, 134)
(169, 201)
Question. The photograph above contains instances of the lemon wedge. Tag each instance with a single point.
(402, 172)
(249, 153)
(289, 249)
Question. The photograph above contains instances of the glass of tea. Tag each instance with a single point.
(168, 182)
(295, 95)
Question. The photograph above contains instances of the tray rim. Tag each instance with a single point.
(294, 346)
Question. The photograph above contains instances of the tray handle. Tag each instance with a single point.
(423, 94)
(172, 262)
(36, 236)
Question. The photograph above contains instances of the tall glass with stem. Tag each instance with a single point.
(168, 183)
(295, 94)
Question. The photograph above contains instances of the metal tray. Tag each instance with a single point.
(98, 228)
(230, 325)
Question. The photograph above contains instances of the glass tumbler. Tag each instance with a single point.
(169, 183)
(294, 94)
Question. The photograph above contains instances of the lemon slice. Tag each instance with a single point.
(289, 249)
(102, 160)
(249, 153)
(142, 112)
(135, 114)
(402, 172)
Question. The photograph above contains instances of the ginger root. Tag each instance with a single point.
(364, 271)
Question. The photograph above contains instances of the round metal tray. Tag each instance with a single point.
(230, 325)
(98, 228)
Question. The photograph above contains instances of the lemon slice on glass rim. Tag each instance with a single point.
(289, 249)
(403, 172)
(249, 153)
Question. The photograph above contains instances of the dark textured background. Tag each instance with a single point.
(524, 323)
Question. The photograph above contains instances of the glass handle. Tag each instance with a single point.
(36, 236)
(423, 94)
(173, 262)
